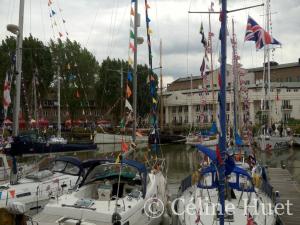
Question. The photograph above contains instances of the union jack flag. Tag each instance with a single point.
(256, 33)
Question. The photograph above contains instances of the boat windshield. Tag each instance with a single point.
(106, 171)
(65, 167)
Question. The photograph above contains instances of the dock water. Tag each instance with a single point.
(282, 181)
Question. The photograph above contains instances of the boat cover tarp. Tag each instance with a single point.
(238, 173)
(238, 139)
(139, 166)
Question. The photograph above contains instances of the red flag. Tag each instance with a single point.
(6, 94)
(128, 92)
(219, 79)
(250, 220)
(124, 146)
(12, 193)
(77, 94)
(132, 47)
(219, 157)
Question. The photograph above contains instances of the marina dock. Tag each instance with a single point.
(282, 181)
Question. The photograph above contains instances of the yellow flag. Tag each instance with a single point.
(150, 31)
(118, 158)
(154, 100)
(130, 62)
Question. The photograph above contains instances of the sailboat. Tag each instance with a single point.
(221, 181)
(34, 189)
(267, 139)
(112, 191)
(206, 138)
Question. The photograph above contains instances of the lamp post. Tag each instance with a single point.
(18, 30)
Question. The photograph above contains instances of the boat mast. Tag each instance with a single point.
(136, 24)
(222, 138)
(19, 70)
(58, 104)
(211, 65)
(35, 98)
(235, 84)
(268, 58)
(161, 86)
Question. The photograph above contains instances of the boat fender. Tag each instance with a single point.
(116, 219)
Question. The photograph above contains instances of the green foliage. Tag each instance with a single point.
(109, 90)
(79, 70)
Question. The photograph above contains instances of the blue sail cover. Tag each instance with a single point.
(238, 139)
(207, 151)
(241, 173)
(213, 130)
(230, 169)
(211, 172)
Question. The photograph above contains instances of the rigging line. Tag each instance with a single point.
(156, 15)
(119, 25)
(13, 10)
(62, 19)
(29, 16)
(93, 24)
(110, 28)
(57, 21)
(42, 20)
(114, 28)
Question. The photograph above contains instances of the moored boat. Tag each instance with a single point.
(110, 193)
(32, 191)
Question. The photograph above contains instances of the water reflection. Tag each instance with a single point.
(182, 161)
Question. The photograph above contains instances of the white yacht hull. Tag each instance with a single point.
(100, 212)
(112, 142)
(274, 142)
(35, 195)
(206, 199)
(195, 140)
(296, 139)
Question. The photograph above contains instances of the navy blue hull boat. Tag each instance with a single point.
(33, 144)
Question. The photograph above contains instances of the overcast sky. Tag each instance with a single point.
(102, 26)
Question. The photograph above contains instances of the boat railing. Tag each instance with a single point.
(186, 183)
(4, 174)
(267, 188)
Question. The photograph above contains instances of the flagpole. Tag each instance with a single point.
(136, 23)
(222, 138)
(211, 66)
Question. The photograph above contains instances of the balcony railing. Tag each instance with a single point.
(287, 107)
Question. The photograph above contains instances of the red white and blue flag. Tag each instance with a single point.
(6, 94)
(256, 33)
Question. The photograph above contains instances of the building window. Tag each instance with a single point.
(174, 109)
(229, 84)
(180, 109)
(180, 119)
(295, 90)
(186, 119)
(174, 119)
(227, 106)
(197, 108)
(247, 82)
(287, 116)
(208, 86)
(288, 90)
(186, 108)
